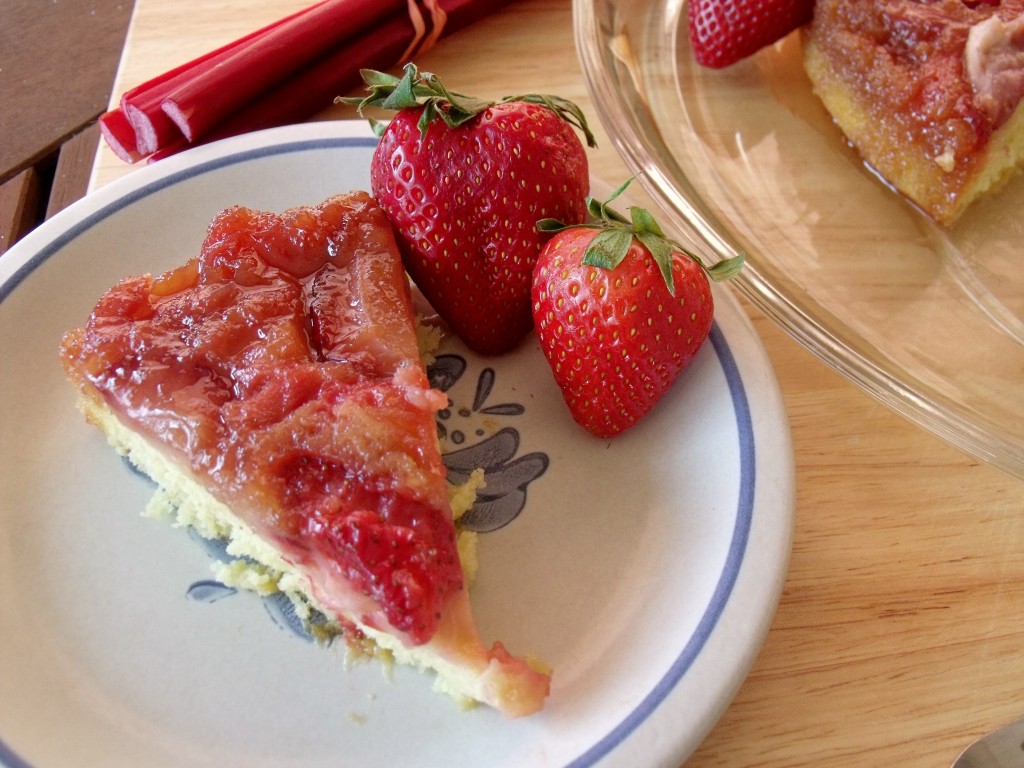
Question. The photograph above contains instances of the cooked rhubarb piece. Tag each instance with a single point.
(274, 383)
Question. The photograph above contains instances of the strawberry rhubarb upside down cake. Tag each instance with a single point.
(273, 387)
(928, 92)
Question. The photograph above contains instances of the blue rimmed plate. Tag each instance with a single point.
(645, 570)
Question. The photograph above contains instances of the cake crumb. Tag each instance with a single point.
(946, 161)
(245, 574)
(463, 496)
(428, 337)
(159, 506)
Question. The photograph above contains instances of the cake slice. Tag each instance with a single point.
(274, 390)
(929, 93)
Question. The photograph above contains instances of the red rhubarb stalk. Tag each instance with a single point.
(315, 87)
(141, 104)
(294, 95)
(119, 135)
(214, 93)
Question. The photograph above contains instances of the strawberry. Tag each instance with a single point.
(395, 563)
(464, 182)
(724, 31)
(620, 311)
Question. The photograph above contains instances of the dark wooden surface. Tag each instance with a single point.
(58, 60)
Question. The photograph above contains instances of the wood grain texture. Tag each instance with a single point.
(58, 59)
(19, 203)
(897, 639)
(71, 177)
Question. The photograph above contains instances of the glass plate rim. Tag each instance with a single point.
(611, 78)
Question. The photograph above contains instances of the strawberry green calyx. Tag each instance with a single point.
(616, 233)
(424, 89)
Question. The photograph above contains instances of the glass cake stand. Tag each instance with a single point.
(930, 320)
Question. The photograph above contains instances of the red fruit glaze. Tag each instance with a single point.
(281, 367)
(616, 339)
(465, 202)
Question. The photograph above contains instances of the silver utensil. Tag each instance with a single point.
(1003, 748)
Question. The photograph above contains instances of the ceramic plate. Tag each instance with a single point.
(645, 570)
(927, 319)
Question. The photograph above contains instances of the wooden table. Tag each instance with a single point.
(898, 637)
(57, 67)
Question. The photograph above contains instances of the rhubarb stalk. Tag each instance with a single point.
(214, 93)
(141, 105)
(313, 88)
(282, 73)
(120, 136)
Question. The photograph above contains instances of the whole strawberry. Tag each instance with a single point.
(620, 311)
(464, 182)
(723, 32)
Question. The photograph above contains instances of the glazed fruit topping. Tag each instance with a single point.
(282, 365)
